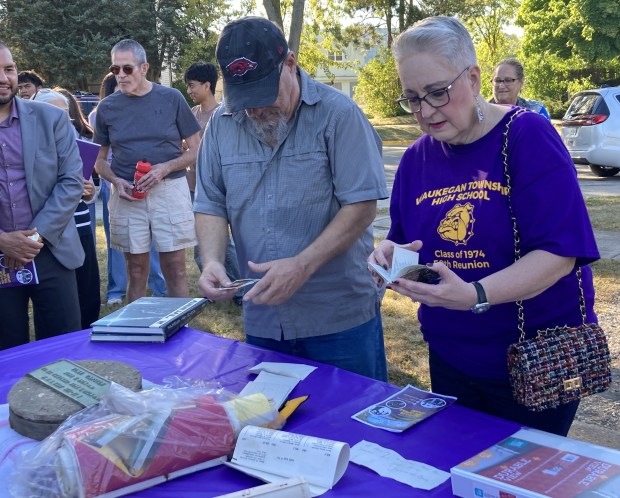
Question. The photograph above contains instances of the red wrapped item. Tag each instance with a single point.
(123, 450)
(132, 441)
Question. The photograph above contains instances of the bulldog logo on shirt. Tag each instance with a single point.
(457, 226)
(240, 66)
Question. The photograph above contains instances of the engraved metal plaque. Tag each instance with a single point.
(70, 379)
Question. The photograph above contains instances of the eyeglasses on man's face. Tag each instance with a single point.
(436, 98)
(127, 69)
(503, 81)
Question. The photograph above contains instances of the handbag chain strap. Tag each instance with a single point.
(517, 239)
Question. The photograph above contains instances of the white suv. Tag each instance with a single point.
(591, 130)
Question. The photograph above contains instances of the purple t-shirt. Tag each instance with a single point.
(453, 198)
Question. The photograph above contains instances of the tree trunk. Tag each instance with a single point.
(82, 84)
(297, 24)
(274, 13)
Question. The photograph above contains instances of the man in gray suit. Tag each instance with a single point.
(40, 186)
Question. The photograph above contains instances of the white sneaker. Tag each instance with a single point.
(114, 301)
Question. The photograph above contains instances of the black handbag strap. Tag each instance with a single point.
(517, 239)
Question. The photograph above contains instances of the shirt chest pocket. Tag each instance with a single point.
(306, 178)
(292, 178)
(241, 179)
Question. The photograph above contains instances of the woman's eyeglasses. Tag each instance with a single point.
(436, 98)
(505, 81)
(127, 69)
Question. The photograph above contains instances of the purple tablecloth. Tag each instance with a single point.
(443, 441)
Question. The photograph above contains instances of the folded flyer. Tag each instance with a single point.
(15, 278)
(403, 409)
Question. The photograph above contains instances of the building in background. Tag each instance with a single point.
(345, 79)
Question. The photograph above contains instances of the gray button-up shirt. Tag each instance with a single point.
(278, 201)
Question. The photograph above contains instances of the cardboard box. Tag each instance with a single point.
(536, 464)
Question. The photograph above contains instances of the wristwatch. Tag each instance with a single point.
(482, 305)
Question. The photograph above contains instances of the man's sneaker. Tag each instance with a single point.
(114, 301)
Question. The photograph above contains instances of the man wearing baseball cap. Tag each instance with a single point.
(295, 168)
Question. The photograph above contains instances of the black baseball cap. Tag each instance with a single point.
(249, 51)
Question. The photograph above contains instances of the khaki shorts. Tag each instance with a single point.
(165, 216)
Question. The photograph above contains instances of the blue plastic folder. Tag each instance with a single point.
(88, 153)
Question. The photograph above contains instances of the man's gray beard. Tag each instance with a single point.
(271, 132)
(8, 99)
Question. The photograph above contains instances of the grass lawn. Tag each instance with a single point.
(398, 130)
(406, 350)
(603, 212)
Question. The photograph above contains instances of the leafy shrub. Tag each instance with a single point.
(378, 86)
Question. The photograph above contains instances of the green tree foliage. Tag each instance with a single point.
(378, 86)
(203, 21)
(69, 42)
(324, 33)
(488, 59)
(56, 39)
(569, 45)
(486, 21)
(393, 15)
(321, 33)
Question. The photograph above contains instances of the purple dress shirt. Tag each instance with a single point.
(15, 209)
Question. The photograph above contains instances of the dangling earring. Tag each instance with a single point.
(479, 110)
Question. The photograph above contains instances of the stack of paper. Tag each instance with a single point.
(275, 387)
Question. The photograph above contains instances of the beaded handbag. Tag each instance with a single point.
(560, 364)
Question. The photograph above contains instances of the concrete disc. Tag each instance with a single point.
(36, 410)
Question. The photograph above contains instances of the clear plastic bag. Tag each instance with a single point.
(130, 438)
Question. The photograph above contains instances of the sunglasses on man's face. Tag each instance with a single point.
(127, 69)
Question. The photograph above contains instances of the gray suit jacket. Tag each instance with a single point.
(53, 177)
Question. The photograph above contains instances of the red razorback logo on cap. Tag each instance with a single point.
(240, 66)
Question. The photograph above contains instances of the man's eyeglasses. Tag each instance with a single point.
(127, 69)
(436, 98)
(505, 81)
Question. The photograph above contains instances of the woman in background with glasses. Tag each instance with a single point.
(507, 83)
(450, 203)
